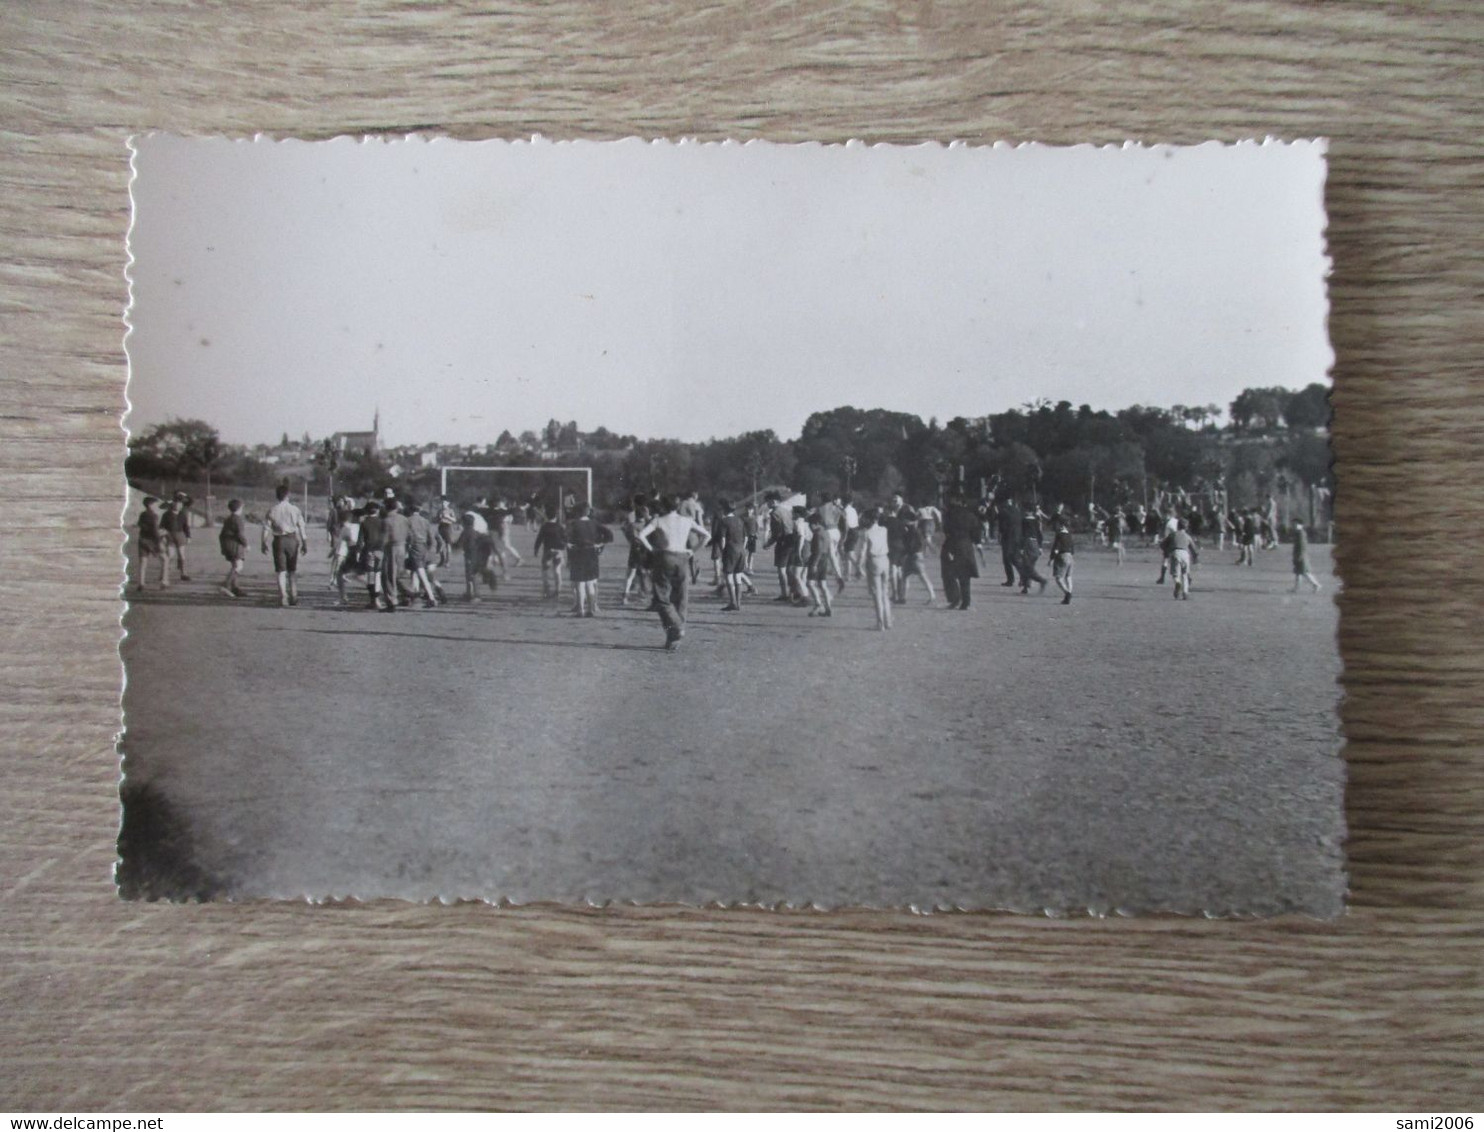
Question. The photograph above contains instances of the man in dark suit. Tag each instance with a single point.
(1008, 523)
(957, 558)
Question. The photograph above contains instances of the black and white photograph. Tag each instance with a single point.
(932, 527)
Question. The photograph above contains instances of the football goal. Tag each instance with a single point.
(555, 490)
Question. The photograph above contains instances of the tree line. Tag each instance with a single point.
(1273, 438)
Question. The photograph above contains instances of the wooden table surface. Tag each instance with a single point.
(115, 1006)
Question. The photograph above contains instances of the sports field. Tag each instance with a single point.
(1126, 751)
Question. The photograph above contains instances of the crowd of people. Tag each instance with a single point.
(394, 547)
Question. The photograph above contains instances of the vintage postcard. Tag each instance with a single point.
(930, 527)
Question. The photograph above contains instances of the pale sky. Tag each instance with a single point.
(693, 291)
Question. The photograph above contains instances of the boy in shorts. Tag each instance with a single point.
(233, 541)
(370, 546)
(820, 563)
(175, 531)
(448, 529)
(637, 572)
(749, 526)
(1062, 548)
(477, 548)
(729, 538)
(551, 545)
(1302, 571)
(421, 554)
(344, 560)
(285, 526)
(1180, 548)
(798, 556)
(914, 549)
(149, 544)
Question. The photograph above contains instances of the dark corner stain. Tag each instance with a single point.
(156, 851)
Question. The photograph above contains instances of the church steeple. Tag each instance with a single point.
(376, 430)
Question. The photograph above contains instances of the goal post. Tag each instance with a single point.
(494, 474)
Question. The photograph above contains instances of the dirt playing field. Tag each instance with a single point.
(1126, 752)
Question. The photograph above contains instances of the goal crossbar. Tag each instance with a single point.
(587, 473)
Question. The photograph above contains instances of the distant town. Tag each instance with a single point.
(555, 442)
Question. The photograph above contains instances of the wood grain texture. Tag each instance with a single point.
(115, 1006)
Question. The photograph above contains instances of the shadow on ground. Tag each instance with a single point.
(157, 851)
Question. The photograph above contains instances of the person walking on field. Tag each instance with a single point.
(397, 530)
(1030, 547)
(370, 546)
(1172, 523)
(749, 525)
(474, 541)
(876, 557)
(233, 541)
(798, 556)
(422, 555)
(780, 537)
(498, 517)
(149, 546)
(1249, 538)
(551, 545)
(690, 508)
(1180, 547)
(914, 554)
(586, 538)
(850, 544)
(448, 529)
(959, 555)
(1302, 571)
(1008, 525)
(502, 529)
(285, 526)
(667, 538)
(929, 523)
(896, 520)
(717, 585)
(343, 553)
(817, 572)
(638, 561)
(1062, 549)
(175, 529)
(832, 515)
(731, 535)
(1115, 533)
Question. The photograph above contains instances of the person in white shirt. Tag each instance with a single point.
(447, 519)
(929, 523)
(852, 546)
(667, 538)
(832, 511)
(876, 551)
(780, 536)
(285, 525)
(1172, 524)
(346, 538)
(690, 508)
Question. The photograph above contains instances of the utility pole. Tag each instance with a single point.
(755, 468)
